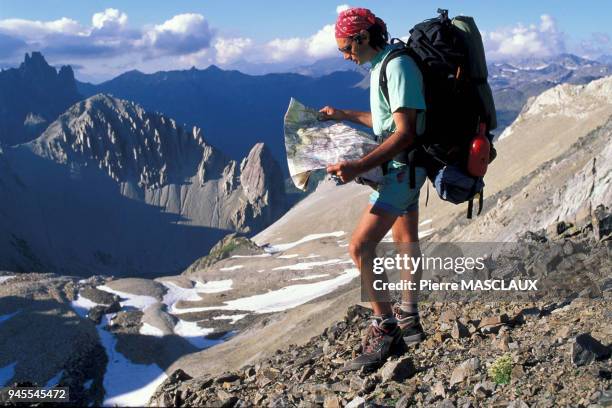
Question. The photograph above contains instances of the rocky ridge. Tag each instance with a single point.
(570, 100)
(110, 157)
(549, 352)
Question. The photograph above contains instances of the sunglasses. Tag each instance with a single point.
(348, 49)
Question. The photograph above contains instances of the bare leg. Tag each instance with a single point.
(406, 236)
(371, 229)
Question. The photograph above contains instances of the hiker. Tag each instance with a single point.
(362, 37)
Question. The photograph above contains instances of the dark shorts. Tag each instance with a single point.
(394, 195)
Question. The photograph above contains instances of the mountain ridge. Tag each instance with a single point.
(107, 170)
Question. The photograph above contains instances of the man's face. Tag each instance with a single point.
(350, 49)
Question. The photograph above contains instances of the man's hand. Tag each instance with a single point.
(331, 113)
(346, 170)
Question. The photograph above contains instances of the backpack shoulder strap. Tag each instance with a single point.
(382, 80)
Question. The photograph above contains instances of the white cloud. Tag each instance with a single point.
(30, 30)
(342, 7)
(182, 34)
(524, 41)
(322, 44)
(110, 19)
(229, 50)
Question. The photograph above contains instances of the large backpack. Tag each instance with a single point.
(451, 57)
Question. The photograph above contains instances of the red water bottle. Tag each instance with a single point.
(478, 159)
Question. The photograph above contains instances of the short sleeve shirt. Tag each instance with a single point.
(405, 85)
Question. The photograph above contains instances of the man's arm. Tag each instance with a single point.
(361, 118)
(403, 137)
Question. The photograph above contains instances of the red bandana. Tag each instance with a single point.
(353, 20)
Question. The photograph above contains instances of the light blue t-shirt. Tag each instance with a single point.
(405, 85)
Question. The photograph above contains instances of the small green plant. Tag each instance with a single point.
(501, 369)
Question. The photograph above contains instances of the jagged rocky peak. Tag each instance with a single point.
(36, 68)
(259, 174)
(129, 143)
(262, 184)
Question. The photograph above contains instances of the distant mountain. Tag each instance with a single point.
(605, 59)
(110, 188)
(329, 65)
(31, 97)
(513, 82)
(234, 110)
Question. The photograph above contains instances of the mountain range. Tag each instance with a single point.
(110, 188)
(233, 109)
(236, 110)
(271, 321)
(32, 96)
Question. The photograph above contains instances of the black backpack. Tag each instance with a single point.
(450, 56)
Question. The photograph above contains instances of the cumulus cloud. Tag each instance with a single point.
(229, 50)
(32, 30)
(182, 34)
(107, 36)
(322, 44)
(519, 41)
(109, 20)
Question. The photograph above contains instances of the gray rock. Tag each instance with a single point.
(464, 370)
(98, 296)
(459, 330)
(126, 319)
(602, 222)
(357, 402)
(95, 313)
(585, 349)
(518, 403)
(403, 402)
(166, 393)
(446, 403)
(397, 370)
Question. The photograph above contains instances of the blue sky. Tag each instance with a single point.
(104, 38)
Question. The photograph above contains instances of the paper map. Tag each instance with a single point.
(312, 144)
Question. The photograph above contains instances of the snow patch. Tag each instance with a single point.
(287, 256)
(54, 380)
(4, 318)
(252, 256)
(304, 266)
(82, 305)
(232, 268)
(5, 278)
(126, 383)
(149, 330)
(214, 286)
(233, 318)
(282, 299)
(310, 277)
(195, 334)
(283, 247)
(6, 373)
(139, 302)
(175, 293)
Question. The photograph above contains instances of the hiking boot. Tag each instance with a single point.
(379, 342)
(410, 325)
